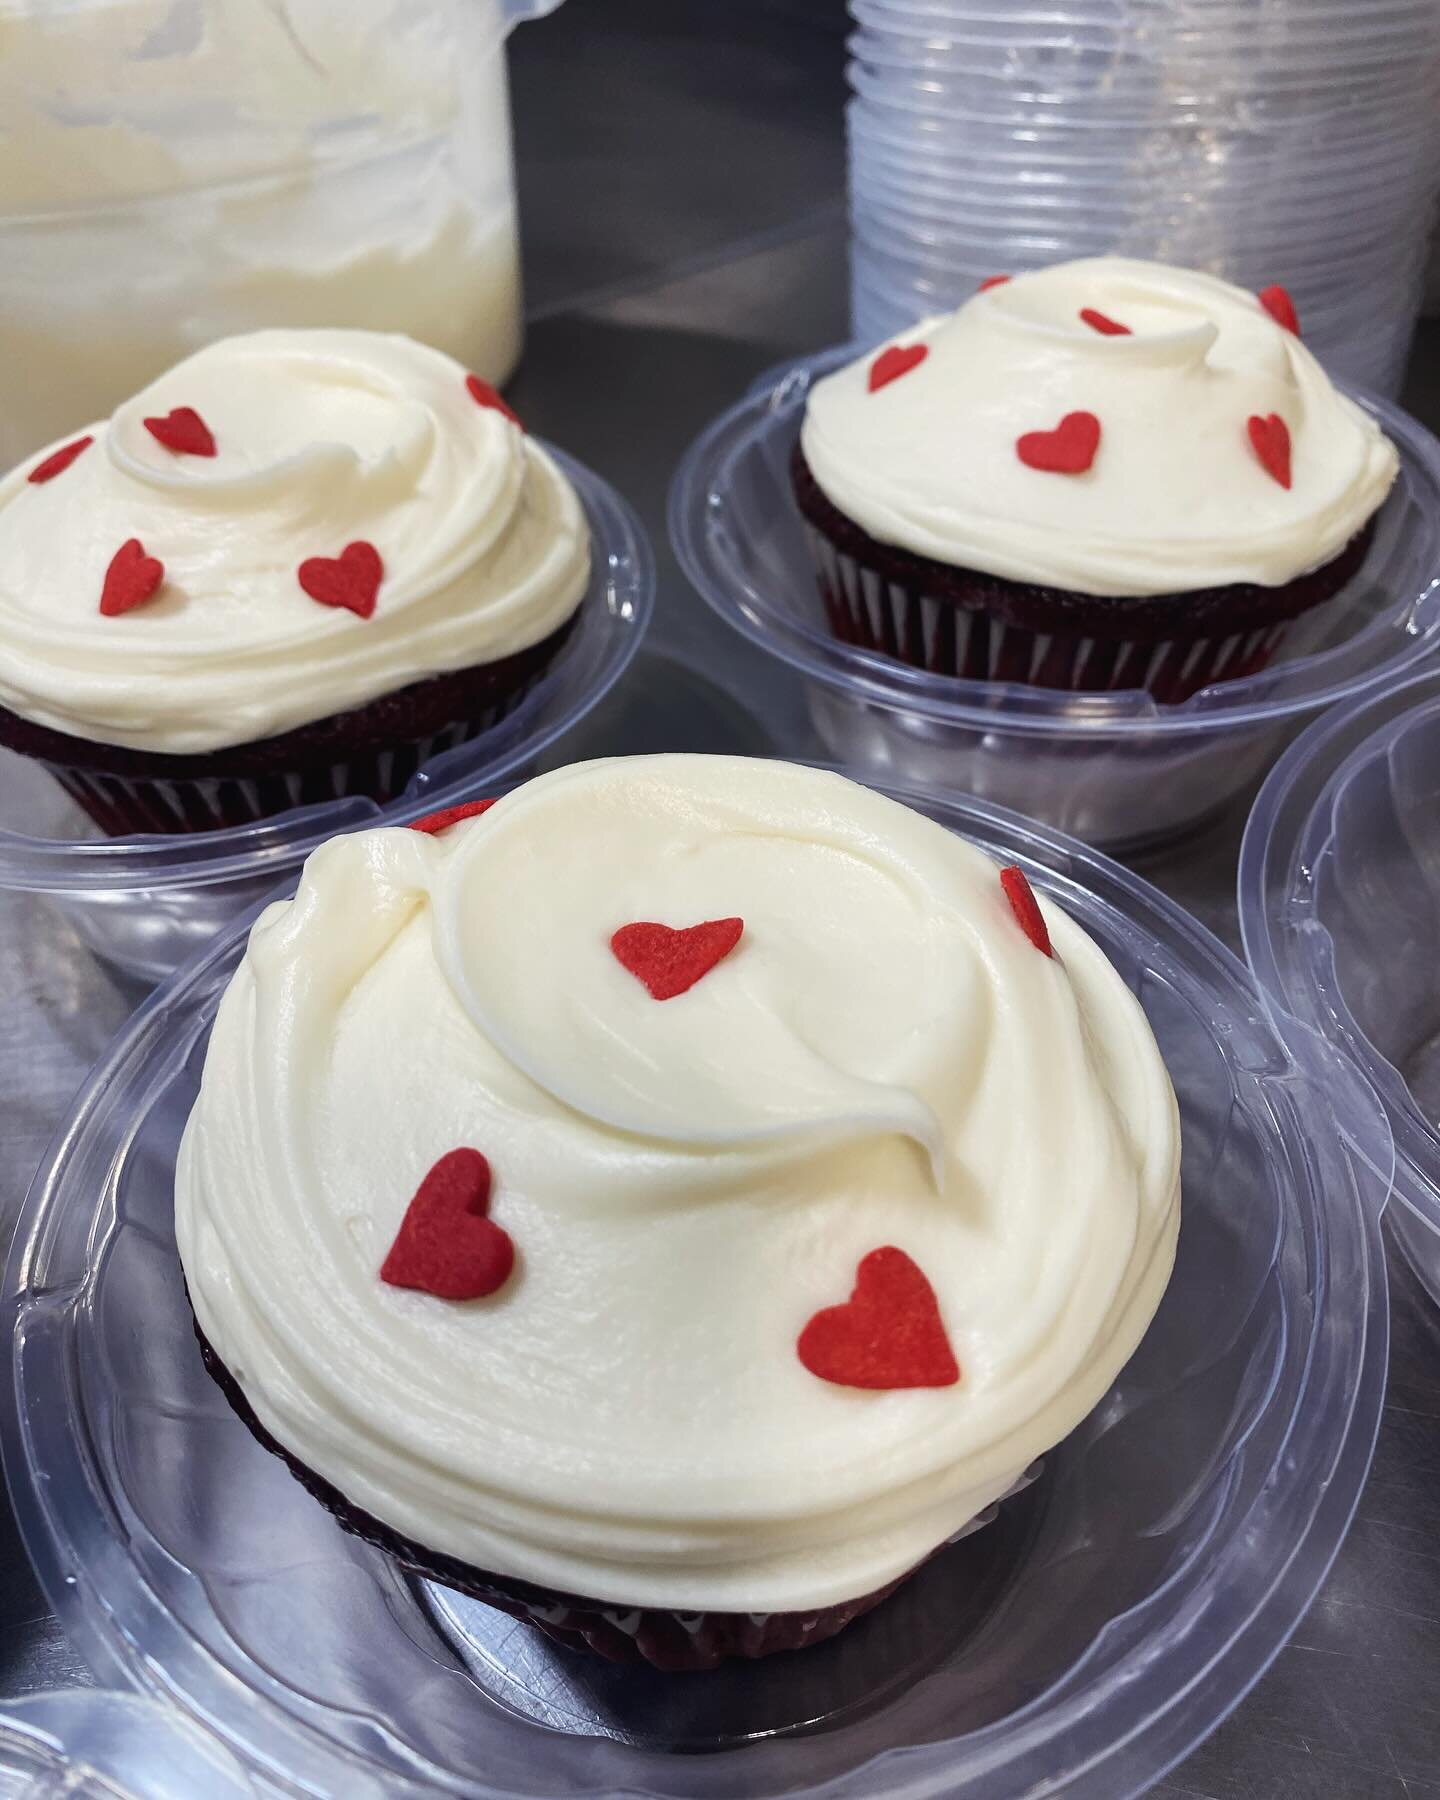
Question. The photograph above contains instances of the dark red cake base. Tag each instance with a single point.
(673, 1641)
(372, 751)
(955, 621)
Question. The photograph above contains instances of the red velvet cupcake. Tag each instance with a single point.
(296, 567)
(1104, 475)
(651, 1203)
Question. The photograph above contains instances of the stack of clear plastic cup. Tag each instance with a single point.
(1295, 142)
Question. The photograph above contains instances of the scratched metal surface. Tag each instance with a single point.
(681, 172)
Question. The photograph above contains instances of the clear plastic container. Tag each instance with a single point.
(171, 174)
(1118, 769)
(1107, 1619)
(1340, 912)
(90, 1744)
(145, 903)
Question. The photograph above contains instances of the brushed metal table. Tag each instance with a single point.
(681, 175)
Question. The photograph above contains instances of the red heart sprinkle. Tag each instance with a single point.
(1068, 450)
(483, 394)
(1026, 908)
(669, 961)
(1097, 321)
(351, 579)
(59, 461)
(991, 281)
(1271, 439)
(451, 815)
(445, 1245)
(1281, 308)
(131, 578)
(183, 431)
(898, 360)
(888, 1334)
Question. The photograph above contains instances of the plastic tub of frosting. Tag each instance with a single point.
(1117, 768)
(1099, 1625)
(178, 174)
(144, 903)
(1340, 911)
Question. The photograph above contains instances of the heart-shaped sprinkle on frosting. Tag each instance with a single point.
(58, 461)
(450, 815)
(483, 394)
(182, 431)
(991, 281)
(1067, 450)
(446, 1245)
(1281, 308)
(1270, 438)
(891, 364)
(351, 579)
(888, 1334)
(1026, 908)
(1107, 327)
(670, 961)
(131, 579)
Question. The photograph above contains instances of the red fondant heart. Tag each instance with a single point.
(483, 394)
(1281, 308)
(888, 1334)
(669, 961)
(131, 578)
(991, 281)
(445, 1245)
(351, 579)
(1107, 327)
(1068, 450)
(1271, 439)
(1026, 908)
(59, 461)
(450, 815)
(183, 431)
(898, 360)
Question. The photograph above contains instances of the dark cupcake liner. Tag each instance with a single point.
(122, 804)
(964, 622)
(372, 751)
(865, 609)
(676, 1641)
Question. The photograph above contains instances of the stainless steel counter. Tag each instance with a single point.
(681, 172)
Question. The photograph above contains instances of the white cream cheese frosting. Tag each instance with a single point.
(322, 438)
(1176, 498)
(884, 1059)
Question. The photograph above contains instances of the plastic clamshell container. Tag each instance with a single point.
(145, 903)
(1340, 912)
(1117, 769)
(92, 1744)
(1105, 1621)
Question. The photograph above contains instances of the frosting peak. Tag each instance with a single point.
(1172, 364)
(320, 438)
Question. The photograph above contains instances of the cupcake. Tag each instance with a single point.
(680, 1255)
(1108, 474)
(293, 569)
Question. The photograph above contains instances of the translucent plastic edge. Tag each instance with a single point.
(1346, 1358)
(136, 1746)
(1289, 825)
(1010, 706)
(620, 602)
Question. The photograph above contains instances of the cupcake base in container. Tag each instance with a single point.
(963, 622)
(371, 752)
(676, 1641)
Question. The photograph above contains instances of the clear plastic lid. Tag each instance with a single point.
(1107, 1619)
(146, 902)
(1339, 893)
